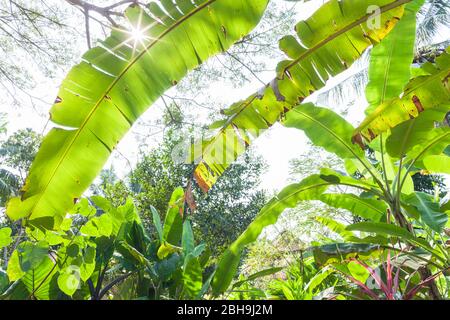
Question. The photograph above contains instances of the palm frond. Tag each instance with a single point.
(432, 18)
(9, 184)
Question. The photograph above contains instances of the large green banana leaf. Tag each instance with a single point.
(390, 62)
(114, 84)
(421, 93)
(411, 133)
(311, 188)
(366, 208)
(394, 231)
(324, 128)
(328, 43)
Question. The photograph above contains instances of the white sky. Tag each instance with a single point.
(278, 146)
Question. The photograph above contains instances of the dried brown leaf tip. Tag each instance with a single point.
(358, 139)
(418, 104)
(201, 182)
(189, 197)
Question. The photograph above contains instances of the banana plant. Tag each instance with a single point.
(326, 44)
(383, 183)
(429, 90)
(381, 175)
(103, 96)
(187, 279)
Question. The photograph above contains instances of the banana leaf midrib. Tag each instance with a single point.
(430, 145)
(115, 81)
(357, 199)
(347, 146)
(345, 29)
(315, 186)
(386, 73)
(306, 54)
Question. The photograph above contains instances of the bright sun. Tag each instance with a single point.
(137, 35)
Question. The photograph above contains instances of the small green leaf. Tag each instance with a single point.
(84, 208)
(358, 272)
(88, 265)
(173, 224)
(187, 238)
(166, 249)
(72, 250)
(32, 254)
(98, 226)
(192, 277)
(13, 269)
(157, 223)
(104, 225)
(66, 224)
(69, 280)
(437, 164)
(5, 237)
(53, 238)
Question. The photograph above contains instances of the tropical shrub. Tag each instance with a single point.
(102, 249)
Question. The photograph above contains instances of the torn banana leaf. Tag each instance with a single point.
(327, 43)
(421, 93)
(390, 62)
(114, 84)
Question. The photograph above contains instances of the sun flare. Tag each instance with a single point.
(137, 35)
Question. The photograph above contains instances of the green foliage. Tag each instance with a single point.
(16, 153)
(19, 150)
(221, 215)
(390, 63)
(102, 248)
(139, 242)
(107, 86)
(422, 93)
(5, 237)
(320, 50)
(383, 182)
